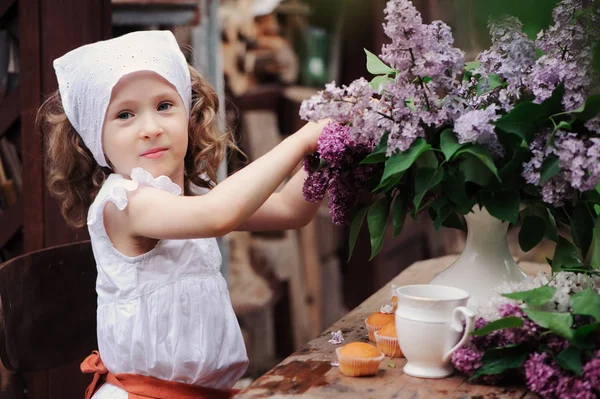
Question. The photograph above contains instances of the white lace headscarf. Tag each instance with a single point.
(87, 75)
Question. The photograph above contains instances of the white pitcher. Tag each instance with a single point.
(429, 325)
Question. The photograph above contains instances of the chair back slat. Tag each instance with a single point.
(48, 302)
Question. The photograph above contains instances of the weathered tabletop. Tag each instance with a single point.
(308, 372)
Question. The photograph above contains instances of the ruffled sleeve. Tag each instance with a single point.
(115, 190)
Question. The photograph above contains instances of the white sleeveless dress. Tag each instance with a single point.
(166, 313)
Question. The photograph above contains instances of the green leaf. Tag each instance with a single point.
(595, 247)
(503, 205)
(540, 210)
(520, 155)
(469, 66)
(388, 184)
(378, 153)
(410, 104)
(427, 160)
(558, 323)
(355, 226)
(454, 188)
(586, 303)
(565, 255)
(489, 83)
(582, 336)
(563, 125)
(377, 220)
(425, 179)
(439, 210)
(453, 221)
(535, 297)
(582, 227)
(570, 359)
(589, 109)
(399, 213)
(470, 167)
(496, 360)
(524, 120)
(481, 152)
(401, 161)
(531, 233)
(550, 168)
(449, 143)
(378, 81)
(375, 66)
(506, 322)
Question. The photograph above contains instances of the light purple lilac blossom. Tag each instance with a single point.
(511, 55)
(579, 163)
(568, 46)
(476, 127)
(423, 94)
(336, 337)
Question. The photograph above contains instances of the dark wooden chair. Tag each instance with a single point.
(48, 315)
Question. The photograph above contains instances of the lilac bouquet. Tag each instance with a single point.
(544, 332)
(516, 131)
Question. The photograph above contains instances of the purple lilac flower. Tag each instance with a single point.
(555, 343)
(591, 372)
(579, 162)
(316, 184)
(483, 342)
(511, 56)
(568, 45)
(476, 127)
(528, 333)
(467, 360)
(594, 124)
(572, 387)
(419, 51)
(542, 375)
(345, 180)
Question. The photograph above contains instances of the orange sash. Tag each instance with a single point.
(144, 387)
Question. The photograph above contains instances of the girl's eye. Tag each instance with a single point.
(124, 115)
(164, 106)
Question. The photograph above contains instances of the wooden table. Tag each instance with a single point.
(308, 372)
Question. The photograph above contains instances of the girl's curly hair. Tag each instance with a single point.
(74, 178)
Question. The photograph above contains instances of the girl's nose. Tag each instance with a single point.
(150, 128)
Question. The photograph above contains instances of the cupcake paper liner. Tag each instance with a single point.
(388, 345)
(371, 330)
(353, 366)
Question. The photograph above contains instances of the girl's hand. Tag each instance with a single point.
(312, 131)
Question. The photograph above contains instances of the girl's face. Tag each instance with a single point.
(146, 126)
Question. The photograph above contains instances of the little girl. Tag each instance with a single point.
(131, 131)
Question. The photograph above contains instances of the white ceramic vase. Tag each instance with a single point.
(485, 263)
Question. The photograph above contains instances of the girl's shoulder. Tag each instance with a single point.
(116, 188)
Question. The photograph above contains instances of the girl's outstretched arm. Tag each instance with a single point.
(283, 210)
(154, 213)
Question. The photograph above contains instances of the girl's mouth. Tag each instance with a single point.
(154, 153)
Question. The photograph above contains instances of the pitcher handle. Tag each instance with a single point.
(457, 324)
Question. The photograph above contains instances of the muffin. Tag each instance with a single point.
(376, 321)
(359, 359)
(387, 340)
